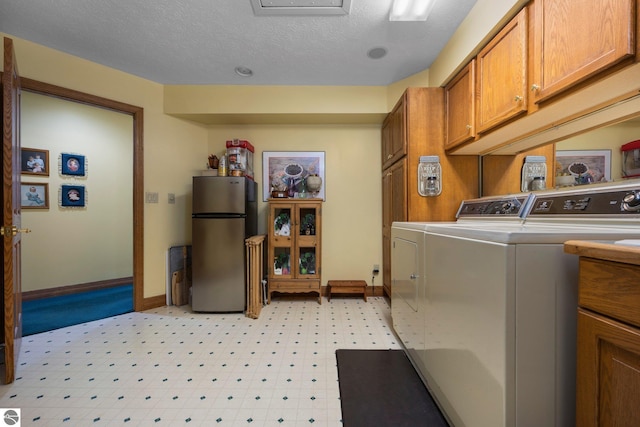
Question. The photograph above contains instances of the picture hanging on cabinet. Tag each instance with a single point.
(72, 196)
(34, 161)
(34, 195)
(72, 164)
(294, 174)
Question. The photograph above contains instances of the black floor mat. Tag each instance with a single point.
(382, 388)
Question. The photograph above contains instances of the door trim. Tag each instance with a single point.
(139, 302)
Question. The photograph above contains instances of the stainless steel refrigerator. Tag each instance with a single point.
(224, 214)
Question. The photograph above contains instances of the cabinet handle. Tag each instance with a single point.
(389, 156)
(518, 98)
(468, 127)
(535, 87)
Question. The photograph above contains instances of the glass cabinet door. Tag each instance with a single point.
(281, 230)
(307, 229)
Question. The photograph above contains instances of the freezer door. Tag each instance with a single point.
(219, 195)
(218, 265)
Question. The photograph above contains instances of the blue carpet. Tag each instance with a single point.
(46, 314)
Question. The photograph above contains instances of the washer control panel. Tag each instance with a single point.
(598, 203)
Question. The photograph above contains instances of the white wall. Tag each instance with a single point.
(79, 245)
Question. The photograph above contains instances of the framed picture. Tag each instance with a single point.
(287, 173)
(586, 166)
(72, 164)
(72, 196)
(34, 195)
(34, 161)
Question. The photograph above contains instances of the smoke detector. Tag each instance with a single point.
(301, 7)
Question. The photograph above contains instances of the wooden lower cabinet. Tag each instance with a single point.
(295, 250)
(608, 346)
(608, 383)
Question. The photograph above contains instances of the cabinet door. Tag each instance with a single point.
(394, 208)
(394, 134)
(574, 40)
(460, 107)
(281, 228)
(307, 248)
(502, 75)
(608, 372)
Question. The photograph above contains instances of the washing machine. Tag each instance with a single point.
(493, 333)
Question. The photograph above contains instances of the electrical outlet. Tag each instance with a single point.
(376, 269)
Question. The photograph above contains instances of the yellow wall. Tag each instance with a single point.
(352, 223)
(78, 245)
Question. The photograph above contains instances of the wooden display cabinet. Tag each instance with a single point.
(295, 227)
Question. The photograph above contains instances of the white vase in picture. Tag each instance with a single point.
(314, 183)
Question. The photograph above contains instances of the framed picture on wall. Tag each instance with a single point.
(34, 195)
(586, 166)
(72, 196)
(72, 164)
(34, 161)
(289, 171)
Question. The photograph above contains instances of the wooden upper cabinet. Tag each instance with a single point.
(394, 134)
(460, 107)
(576, 39)
(502, 75)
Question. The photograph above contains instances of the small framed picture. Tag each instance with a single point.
(72, 196)
(34, 161)
(72, 164)
(34, 195)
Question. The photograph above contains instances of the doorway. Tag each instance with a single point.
(136, 221)
(85, 152)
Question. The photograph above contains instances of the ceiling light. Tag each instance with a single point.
(244, 71)
(377, 53)
(301, 7)
(410, 10)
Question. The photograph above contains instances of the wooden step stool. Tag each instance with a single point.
(347, 287)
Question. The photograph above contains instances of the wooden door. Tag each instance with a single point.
(502, 75)
(394, 208)
(460, 110)
(394, 134)
(575, 40)
(11, 211)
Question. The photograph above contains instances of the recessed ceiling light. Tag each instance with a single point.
(411, 10)
(244, 71)
(377, 53)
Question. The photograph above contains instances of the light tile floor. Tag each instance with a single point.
(170, 366)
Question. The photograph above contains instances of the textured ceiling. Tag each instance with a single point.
(201, 42)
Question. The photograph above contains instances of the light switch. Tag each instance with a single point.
(151, 197)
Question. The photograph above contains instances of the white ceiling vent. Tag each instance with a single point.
(301, 7)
